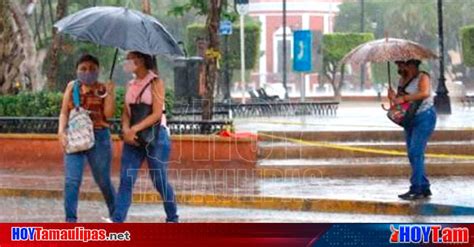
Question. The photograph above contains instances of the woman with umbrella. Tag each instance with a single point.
(147, 88)
(132, 30)
(415, 86)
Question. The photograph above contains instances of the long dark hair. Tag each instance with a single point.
(148, 60)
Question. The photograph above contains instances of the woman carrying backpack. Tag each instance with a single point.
(145, 136)
(85, 135)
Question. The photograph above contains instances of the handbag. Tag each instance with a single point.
(140, 111)
(80, 129)
(402, 114)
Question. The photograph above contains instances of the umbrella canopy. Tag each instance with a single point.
(122, 28)
(387, 50)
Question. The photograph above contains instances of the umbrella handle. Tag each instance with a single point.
(384, 107)
(113, 64)
(389, 76)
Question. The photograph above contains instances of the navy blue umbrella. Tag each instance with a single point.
(122, 28)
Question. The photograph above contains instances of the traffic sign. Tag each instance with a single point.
(225, 27)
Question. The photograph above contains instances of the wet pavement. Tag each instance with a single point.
(350, 116)
(22, 209)
(446, 190)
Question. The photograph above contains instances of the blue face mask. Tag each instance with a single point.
(87, 77)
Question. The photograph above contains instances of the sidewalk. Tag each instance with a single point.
(20, 209)
(452, 195)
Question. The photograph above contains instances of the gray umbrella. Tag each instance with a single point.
(122, 28)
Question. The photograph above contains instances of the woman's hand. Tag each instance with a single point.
(110, 87)
(62, 137)
(399, 100)
(109, 103)
(130, 136)
(391, 94)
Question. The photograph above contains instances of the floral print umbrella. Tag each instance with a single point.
(387, 50)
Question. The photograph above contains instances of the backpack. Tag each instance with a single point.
(80, 130)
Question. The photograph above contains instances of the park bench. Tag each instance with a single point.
(468, 100)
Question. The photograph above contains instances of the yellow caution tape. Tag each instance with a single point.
(344, 125)
(366, 150)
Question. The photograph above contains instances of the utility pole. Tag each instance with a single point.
(441, 100)
(285, 58)
(362, 29)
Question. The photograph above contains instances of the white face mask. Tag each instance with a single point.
(129, 66)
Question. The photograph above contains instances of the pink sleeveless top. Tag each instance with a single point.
(134, 88)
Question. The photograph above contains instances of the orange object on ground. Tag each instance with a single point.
(227, 133)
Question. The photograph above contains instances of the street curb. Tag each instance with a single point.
(272, 203)
(362, 170)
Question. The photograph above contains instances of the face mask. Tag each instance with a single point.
(88, 77)
(129, 66)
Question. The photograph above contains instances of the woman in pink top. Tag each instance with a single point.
(149, 89)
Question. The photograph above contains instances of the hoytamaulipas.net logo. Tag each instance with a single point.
(429, 234)
(73, 234)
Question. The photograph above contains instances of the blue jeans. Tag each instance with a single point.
(157, 156)
(99, 158)
(417, 136)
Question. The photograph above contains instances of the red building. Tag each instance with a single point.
(315, 15)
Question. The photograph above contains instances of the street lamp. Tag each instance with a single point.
(441, 100)
(285, 58)
(362, 29)
(242, 7)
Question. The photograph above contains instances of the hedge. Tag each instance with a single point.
(48, 104)
(467, 37)
(337, 45)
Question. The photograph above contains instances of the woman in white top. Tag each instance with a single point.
(415, 86)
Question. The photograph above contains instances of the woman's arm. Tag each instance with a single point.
(125, 117)
(128, 136)
(109, 101)
(158, 95)
(64, 114)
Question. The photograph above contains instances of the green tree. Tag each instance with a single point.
(408, 19)
(335, 46)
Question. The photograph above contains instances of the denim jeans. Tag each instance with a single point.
(417, 135)
(99, 158)
(157, 156)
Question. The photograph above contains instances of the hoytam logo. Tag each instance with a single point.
(434, 234)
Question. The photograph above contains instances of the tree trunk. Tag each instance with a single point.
(30, 67)
(211, 58)
(11, 55)
(331, 74)
(18, 68)
(61, 11)
(146, 7)
(337, 93)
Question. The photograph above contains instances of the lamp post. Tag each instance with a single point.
(242, 7)
(285, 58)
(362, 29)
(441, 100)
